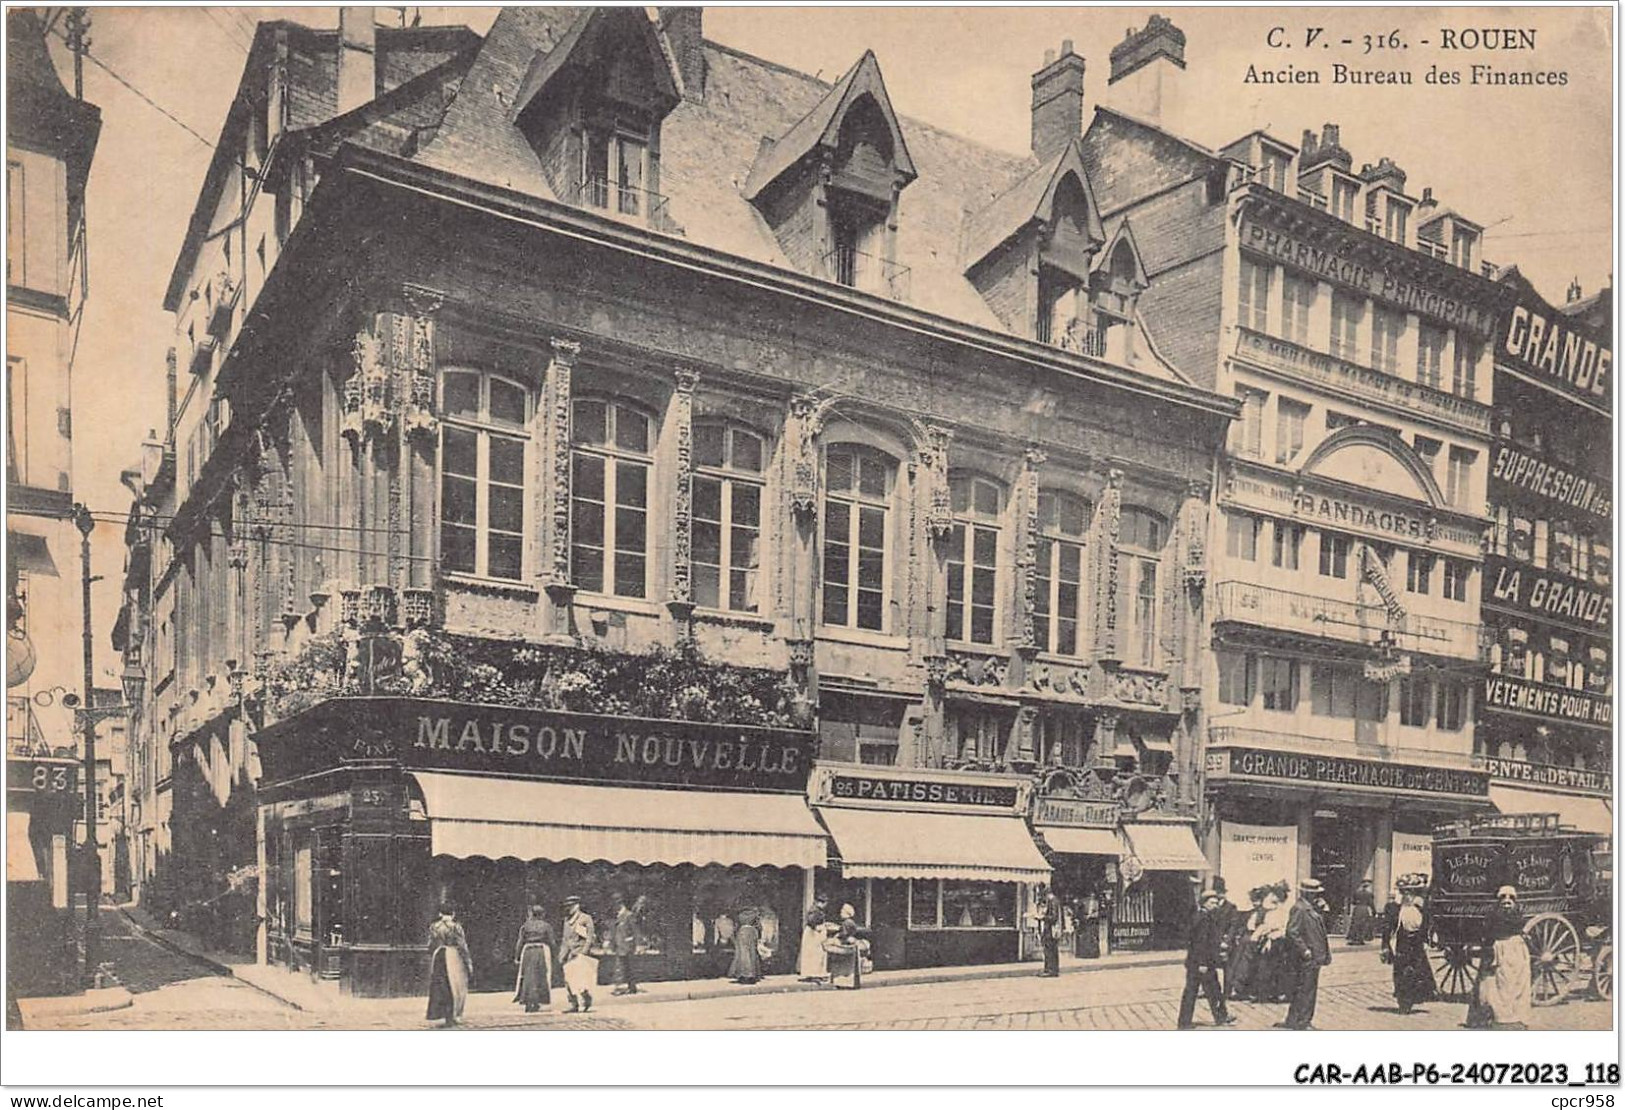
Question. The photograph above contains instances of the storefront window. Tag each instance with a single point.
(1456, 574)
(1331, 691)
(952, 904)
(303, 899)
(1429, 356)
(1061, 739)
(973, 550)
(1418, 573)
(1291, 416)
(857, 536)
(1058, 571)
(1387, 328)
(1347, 312)
(1248, 432)
(1562, 541)
(482, 474)
(1253, 308)
(727, 526)
(1522, 542)
(1298, 298)
(609, 506)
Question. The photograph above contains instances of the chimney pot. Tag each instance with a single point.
(1049, 57)
(358, 67)
(1066, 47)
(1057, 102)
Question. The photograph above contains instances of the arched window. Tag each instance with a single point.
(973, 559)
(1063, 522)
(728, 466)
(482, 474)
(856, 575)
(1140, 537)
(611, 452)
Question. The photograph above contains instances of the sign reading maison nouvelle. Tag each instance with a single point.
(1334, 770)
(506, 740)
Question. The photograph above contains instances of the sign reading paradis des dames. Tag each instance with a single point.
(427, 734)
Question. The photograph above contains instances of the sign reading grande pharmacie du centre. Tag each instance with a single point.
(1344, 771)
(425, 734)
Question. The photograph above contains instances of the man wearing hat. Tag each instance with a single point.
(580, 969)
(1307, 947)
(1202, 962)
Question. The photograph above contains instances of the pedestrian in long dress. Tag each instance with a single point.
(1362, 919)
(1407, 951)
(813, 963)
(846, 949)
(1307, 948)
(575, 944)
(1202, 962)
(533, 952)
(1503, 998)
(747, 962)
(1275, 965)
(450, 968)
(1048, 910)
(1241, 974)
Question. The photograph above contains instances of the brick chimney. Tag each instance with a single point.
(682, 28)
(1384, 173)
(1145, 69)
(358, 69)
(1057, 102)
(1327, 149)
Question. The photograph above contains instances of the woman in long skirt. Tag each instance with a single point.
(1241, 977)
(1504, 994)
(846, 949)
(1364, 915)
(450, 968)
(533, 952)
(1413, 975)
(747, 961)
(813, 963)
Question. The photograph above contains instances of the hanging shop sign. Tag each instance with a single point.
(1546, 346)
(1545, 595)
(424, 734)
(1075, 813)
(1522, 473)
(1551, 702)
(1361, 276)
(1342, 771)
(43, 776)
(1558, 778)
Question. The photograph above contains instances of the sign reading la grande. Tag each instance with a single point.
(582, 747)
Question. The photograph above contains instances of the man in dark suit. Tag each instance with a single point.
(1049, 930)
(623, 940)
(1307, 947)
(1202, 962)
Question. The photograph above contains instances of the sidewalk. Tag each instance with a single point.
(300, 991)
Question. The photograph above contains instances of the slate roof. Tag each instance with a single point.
(708, 147)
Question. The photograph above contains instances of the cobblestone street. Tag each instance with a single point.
(172, 991)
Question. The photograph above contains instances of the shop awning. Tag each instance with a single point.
(1081, 842)
(1590, 815)
(891, 844)
(476, 815)
(1164, 847)
(21, 867)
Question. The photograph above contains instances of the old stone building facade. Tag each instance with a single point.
(1353, 322)
(641, 468)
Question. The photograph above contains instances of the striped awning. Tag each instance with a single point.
(1169, 847)
(1081, 842)
(479, 815)
(897, 844)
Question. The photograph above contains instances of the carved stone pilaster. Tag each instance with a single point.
(801, 440)
(936, 671)
(1024, 742)
(682, 583)
(939, 514)
(1107, 642)
(1105, 741)
(368, 392)
(415, 369)
(1195, 528)
(559, 370)
(1024, 633)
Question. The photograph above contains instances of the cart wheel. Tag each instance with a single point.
(1602, 972)
(1455, 969)
(1554, 955)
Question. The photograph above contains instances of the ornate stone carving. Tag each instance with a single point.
(378, 605)
(976, 670)
(417, 607)
(1026, 726)
(367, 393)
(1111, 523)
(939, 513)
(1027, 550)
(936, 670)
(682, 584)
(565, 352)
(801, 653)
(1136, 688)
(350, 607)
(801, 439)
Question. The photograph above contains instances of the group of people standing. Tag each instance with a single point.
(833, 951)
(1270, 953)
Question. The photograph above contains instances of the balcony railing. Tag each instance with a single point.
(1077, 337)
(1226, 736)
(868, 272)
(626, 202)
(1347, 621)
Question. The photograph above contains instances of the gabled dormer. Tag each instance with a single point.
(829, 186)
(591, 108)
(1032, 251)
(1115, 284)
(1267, 160)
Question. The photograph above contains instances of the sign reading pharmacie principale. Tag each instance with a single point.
(1336, 770)
(428, 734)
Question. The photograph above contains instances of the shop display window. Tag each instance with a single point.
(952, 904)
(303, 901)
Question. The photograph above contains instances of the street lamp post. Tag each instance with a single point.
(87, 722)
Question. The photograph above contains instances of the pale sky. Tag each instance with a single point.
(1532, 164)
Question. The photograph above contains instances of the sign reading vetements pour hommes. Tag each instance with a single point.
(582, 747)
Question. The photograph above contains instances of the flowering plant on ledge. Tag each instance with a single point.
(672, 683)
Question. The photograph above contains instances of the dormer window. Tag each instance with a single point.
(857, 228)
(1273, 167)
(614, 167)
(1462, 248)
(1395, 222)
(1061, 318)
(1343, 198)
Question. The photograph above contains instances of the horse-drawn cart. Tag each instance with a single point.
(1564, 881)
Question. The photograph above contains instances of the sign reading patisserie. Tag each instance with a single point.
(864, 788)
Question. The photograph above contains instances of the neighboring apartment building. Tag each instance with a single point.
(50, 141)
(624, 421)
(1351, 320)
(1546, 715)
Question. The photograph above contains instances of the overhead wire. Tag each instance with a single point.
(230, 29)
(165, 112)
